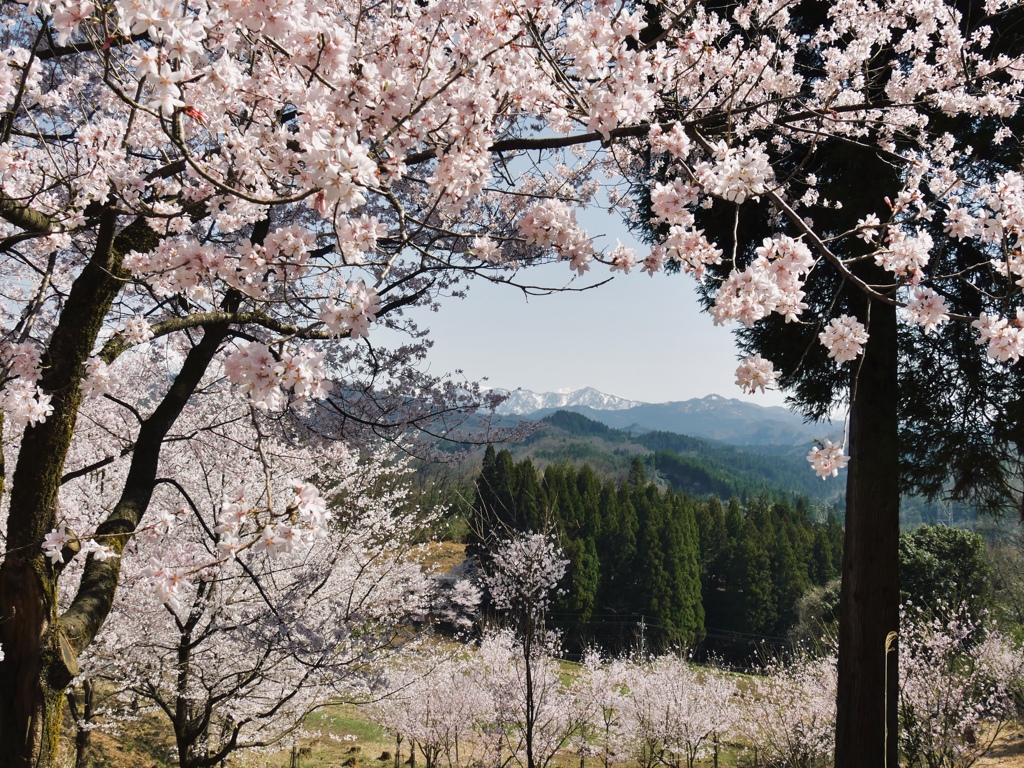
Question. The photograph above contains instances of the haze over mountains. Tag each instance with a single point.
(712, 417)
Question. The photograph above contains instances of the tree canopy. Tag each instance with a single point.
(221, 199)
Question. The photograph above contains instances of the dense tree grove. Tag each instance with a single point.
(961, 684)
(657, 566)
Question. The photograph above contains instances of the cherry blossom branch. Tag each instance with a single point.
(23, 216)
(94, 599)
(91, 46)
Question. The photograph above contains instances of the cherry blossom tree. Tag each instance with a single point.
(441, 704)
(247, 191)
(601, 693)
(840, 236)
(535, 715)
(788, 714)
(676, 711)
(237, 653)
(955, 688)
(525, 570)
(122, 228)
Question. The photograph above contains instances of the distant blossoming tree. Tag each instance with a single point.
(237, 649)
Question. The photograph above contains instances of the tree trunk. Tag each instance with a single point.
(531, 713)
(31, 691)
(82, 717)
(34, 672)
(40, 645)
(869, 597)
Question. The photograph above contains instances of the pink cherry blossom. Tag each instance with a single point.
(54, 542)
(754, 373)
(927, 309)
(827, 459)
(844, 338)
(1005, 339)
(137, 330)
(97, 381)
(25, 403)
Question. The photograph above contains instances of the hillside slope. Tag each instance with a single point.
(694, 465)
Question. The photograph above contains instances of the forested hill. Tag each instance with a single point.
(657, 567)
(693, 465)
(713, 418)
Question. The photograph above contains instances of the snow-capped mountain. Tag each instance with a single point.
(522, 401)
(715, 417)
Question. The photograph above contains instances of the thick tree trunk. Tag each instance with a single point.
(31, 691)
(39, 645)
(34, 671)
(869, 597)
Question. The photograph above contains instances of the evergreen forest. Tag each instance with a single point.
(654, 568)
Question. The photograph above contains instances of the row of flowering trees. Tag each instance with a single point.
(470, 708)
(510, 701)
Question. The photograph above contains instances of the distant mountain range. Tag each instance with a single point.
(713, 417)
(522, 402)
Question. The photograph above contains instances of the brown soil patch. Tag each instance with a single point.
(1007, 752)
(444, 555)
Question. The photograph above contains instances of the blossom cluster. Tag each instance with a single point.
(754, 373)
(238, 526)
(827, 459)
(906, 255)
(57, 540)
(305, 521)
(927, 308)
(21, 399)
(1005, 338)
(552, 224)
(844, 338)
(354, 315)
(261, 374)
(772, 283)
(737, 172)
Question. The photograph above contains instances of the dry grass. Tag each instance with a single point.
(339, 736)
(444, 555)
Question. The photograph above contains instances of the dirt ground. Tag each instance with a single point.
(1008, 751)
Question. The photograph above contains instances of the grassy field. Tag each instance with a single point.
(334, 736)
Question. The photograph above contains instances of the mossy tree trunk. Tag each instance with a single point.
(40, 644)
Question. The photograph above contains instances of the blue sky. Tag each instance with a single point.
(639, 337)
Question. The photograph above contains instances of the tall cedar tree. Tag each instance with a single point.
(935, 404)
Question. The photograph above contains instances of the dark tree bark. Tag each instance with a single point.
(40, 645)
(36, 668)
(869, 597)
(83, 717)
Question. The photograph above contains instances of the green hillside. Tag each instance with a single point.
(696, 466)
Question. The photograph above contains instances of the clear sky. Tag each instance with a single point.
(639, 337)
